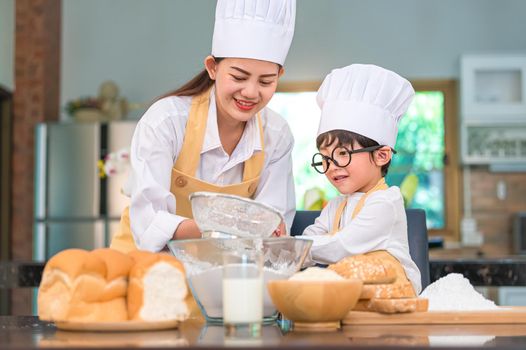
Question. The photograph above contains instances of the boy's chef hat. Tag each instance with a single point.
(258, 29)
(365, 99)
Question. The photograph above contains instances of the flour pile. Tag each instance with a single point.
(454, 292)
(316, 274)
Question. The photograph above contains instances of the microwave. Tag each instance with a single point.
(519, 233)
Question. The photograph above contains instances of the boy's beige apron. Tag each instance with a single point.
(380, 254)
(184, 182)
(381, 185)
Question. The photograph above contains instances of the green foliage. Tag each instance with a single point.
(420, 146)
(421, 133)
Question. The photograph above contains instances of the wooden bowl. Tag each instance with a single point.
(315, 304)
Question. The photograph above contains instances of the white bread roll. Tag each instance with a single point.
(84, 286)
(157, 288)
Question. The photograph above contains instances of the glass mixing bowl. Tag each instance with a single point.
(221, 215)
(203, 262)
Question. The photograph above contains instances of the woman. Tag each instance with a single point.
(215, 133)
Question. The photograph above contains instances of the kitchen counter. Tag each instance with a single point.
(495, 272)
(27, 332)
(505, 271)
(19, 274)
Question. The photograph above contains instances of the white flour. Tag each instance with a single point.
(454, 292)
(316, 274)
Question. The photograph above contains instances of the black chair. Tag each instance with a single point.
(416, 232)
(302, 219)
(418, 242)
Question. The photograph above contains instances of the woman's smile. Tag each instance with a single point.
(244, 105)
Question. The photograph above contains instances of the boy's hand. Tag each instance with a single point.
(280, 231)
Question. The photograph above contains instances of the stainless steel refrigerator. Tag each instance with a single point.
(74, 206)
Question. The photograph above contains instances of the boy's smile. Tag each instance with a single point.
(339, 178)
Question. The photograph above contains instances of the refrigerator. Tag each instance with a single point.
(74, 206)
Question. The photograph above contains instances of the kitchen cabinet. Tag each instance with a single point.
(515, 296)
(493, 109)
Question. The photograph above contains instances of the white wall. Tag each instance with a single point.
(416, 38)
(147, 47)
(7, 35)
(151, 47)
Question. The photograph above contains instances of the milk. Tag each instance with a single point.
(242, 300)
(208, 286)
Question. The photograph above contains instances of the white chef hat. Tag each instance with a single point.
(365, 99)
(258, 29)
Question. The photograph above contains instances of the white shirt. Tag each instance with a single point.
(380, 225)
(155, 147)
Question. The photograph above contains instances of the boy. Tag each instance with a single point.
(361, 106)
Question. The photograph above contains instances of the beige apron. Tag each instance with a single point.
(184, 182)
(380, 254)
(381, 185)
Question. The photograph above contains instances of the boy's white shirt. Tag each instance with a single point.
(156, 144)
(380, 225)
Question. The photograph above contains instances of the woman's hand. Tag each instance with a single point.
(187, 229)
(280, 231)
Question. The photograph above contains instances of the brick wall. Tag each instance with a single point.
(36, 99)
(494, 216)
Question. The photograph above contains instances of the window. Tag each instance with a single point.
(425, 167)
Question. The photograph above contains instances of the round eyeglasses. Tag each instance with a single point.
(341, 157)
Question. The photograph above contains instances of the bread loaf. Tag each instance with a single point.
(54, 293)
(157, 288)
(106, 285)
(391, 306)
(388, 291)
(77, 283)
(102, 311)
(118, 267)
(369, 269)
(386, 288)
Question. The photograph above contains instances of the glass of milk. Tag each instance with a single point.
(243, 293)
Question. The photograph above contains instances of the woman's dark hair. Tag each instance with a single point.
(197, 85)
(344, 137)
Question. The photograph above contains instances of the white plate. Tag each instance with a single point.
(124, 326)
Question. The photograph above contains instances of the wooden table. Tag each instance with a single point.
(27, 332)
